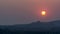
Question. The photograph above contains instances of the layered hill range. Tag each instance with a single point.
(34, 26)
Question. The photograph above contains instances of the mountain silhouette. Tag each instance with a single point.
(35, 26)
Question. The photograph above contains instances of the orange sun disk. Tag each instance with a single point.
(43, 13)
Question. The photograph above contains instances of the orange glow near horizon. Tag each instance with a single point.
(43, 13)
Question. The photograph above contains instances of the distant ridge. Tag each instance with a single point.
(35, 26)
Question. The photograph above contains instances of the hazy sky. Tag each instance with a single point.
(26, 11)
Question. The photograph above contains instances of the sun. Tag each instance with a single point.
(43, 12)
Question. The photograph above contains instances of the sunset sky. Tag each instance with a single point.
(27, 11)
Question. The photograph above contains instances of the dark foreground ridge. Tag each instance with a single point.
(33, 28)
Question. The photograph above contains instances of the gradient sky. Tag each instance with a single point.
(27, 11)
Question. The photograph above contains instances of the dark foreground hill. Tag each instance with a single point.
(33, 28)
